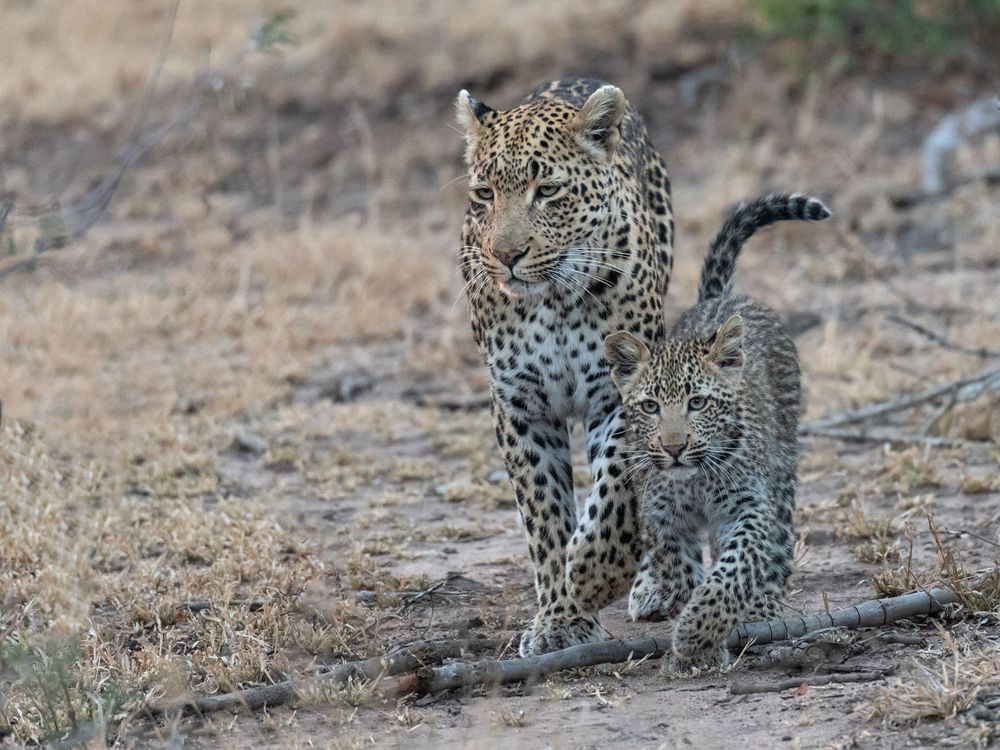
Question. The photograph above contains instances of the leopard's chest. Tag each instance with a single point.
(553, 360)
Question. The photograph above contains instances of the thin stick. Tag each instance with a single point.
(797, 682)
(76, 219)
(963, 389)
(252, 605)
(865, 435)
(941, 340)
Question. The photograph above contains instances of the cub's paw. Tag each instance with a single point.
(551, 633)
(675, 665)
(651, 600)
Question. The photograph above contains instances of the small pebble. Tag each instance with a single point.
(449, 487)
(247, 442)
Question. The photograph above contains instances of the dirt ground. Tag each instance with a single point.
(245, 434)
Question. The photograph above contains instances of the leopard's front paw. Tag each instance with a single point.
(552, 633)
(650, 599)
(595, 585)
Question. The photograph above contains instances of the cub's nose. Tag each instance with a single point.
(510, 257)
(675, 449)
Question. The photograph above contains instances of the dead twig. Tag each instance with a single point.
(942, 340)
(963, 389)
(799, 682)
(72, 221)
(429, 591)
(865, 435)
(959, 533)
(252, 605)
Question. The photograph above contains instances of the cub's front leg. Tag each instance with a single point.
(536, 452)
(671, 565)
(734, 587)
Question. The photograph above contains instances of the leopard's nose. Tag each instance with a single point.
(510, 257)
(675, 449)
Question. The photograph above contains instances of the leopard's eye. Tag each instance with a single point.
(483, 193)
(547, 191)
(697, 403)
(649, 406)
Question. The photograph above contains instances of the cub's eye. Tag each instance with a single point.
(649, 406)
(697, 403)
(547, 191)
(483, 193)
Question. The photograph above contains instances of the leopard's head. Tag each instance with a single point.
(541, 178)
(681, 398)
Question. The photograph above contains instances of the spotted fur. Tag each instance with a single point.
(713, 411)
(567, 238)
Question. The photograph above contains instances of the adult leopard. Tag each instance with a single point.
(567, 239)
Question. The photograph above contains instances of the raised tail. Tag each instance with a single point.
(717, 271)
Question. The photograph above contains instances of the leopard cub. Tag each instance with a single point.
(713, 411)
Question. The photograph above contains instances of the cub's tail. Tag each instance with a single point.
(717, 272)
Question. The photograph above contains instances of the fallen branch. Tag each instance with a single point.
(874, 613)
(798, 682)
(870, 614)
(963, 389)
(412, 658)
(406, 673)
(491, 672)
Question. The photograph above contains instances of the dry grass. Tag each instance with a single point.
(951, 682)
(223, 332)
(98, 565)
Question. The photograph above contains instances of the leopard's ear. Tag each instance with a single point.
(597, 126)
(470, 114)
(725, 347)
(625, 353)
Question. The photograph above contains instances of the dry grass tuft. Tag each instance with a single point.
(957, 680)
(910, 468)
(875, 534)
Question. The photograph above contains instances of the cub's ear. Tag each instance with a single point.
(625, 353)
(597, 124)
(470, 114)
(725, 348)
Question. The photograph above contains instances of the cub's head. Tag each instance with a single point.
(681, 398)
(540, 182)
